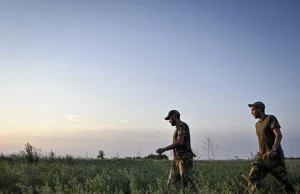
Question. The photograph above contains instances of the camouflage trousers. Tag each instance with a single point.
(276, 167)
(182, 172)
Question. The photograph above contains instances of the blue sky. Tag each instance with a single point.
(69, 67)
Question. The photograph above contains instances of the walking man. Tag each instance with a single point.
(270, 158)
(182, 167)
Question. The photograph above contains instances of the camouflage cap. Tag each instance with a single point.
(258, 104)
(172, 113)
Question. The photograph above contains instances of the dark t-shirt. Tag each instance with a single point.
(266, 136)
(185, 149)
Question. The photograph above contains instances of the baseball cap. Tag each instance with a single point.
(172, 113)
(257, 104)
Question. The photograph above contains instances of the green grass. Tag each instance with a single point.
(127, 176)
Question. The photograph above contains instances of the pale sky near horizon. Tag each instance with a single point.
(79, 76)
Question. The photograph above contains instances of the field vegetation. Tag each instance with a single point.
(30, 172)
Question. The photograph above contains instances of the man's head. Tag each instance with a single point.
(173, 116)
(257, 109)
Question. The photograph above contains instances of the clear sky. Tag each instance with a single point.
(79, 76)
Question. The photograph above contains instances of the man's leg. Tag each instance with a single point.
(278, 170)
(257, 173)
(174, 179)
(187, 174)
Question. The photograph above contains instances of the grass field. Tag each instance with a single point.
(68, 175)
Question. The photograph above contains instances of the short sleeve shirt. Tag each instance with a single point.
(185, 149)
(265, 134)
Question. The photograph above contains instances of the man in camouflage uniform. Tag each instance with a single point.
(182, 167)
(270, 158)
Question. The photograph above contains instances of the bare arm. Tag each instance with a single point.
(176, 144)
(278, 137)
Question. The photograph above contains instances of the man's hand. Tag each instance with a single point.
(160, 150)
(271, 154)
(179, 142)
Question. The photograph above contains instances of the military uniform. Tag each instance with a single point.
(262, 165)
(182, 167)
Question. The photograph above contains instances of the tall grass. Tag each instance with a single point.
(65, 175)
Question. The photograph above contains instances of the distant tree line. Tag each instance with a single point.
(151, 156)
(292, 158)
(33, 155)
